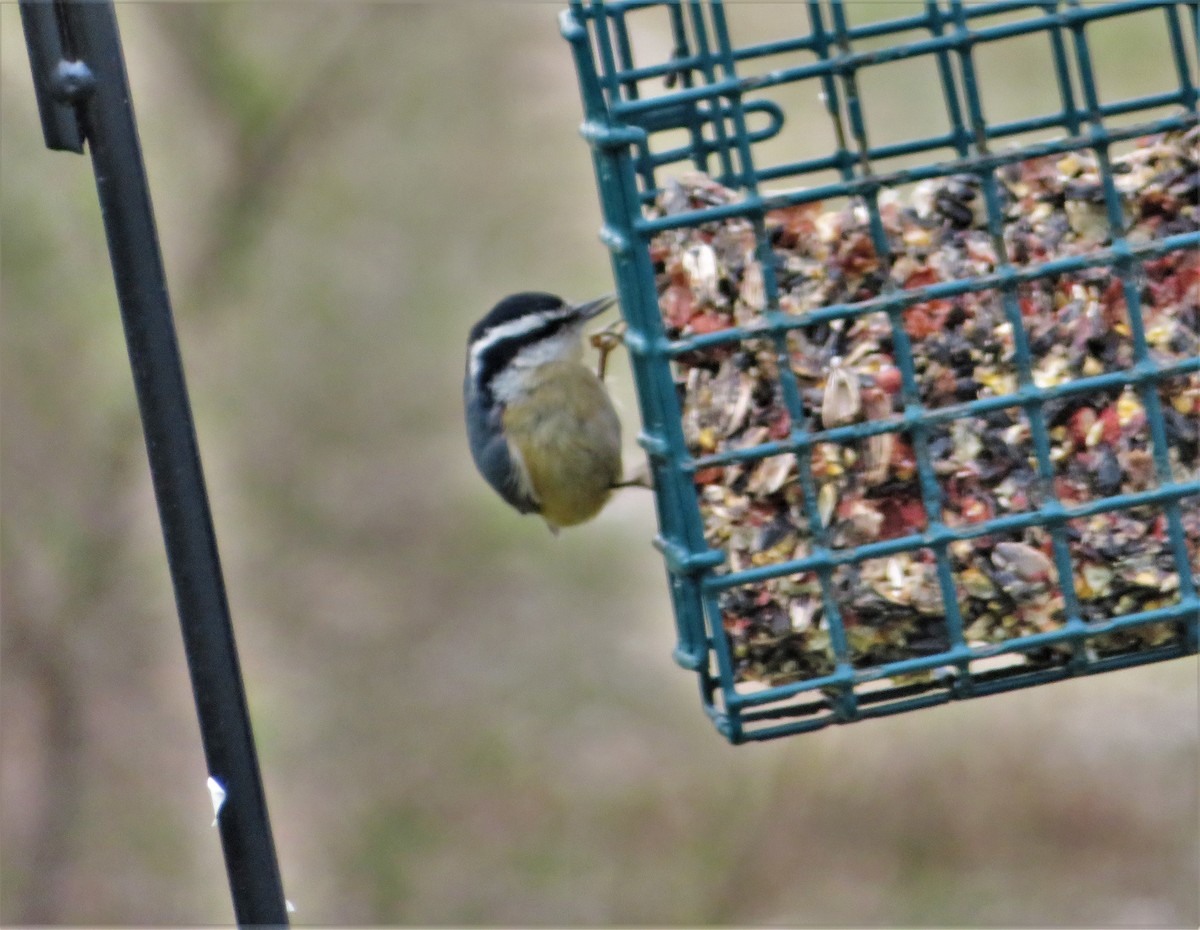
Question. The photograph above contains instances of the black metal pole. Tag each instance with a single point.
(80, 79)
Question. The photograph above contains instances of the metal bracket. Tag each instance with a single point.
(60, 81)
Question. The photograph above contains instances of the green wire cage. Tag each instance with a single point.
(922, 415)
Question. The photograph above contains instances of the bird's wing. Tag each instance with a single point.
(524, 497)
(498, 461)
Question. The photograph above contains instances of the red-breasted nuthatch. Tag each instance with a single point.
(541, 425)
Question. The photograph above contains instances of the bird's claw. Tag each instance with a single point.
(604, 341)
(638, 478)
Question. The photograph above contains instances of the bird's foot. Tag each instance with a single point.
(604, 341)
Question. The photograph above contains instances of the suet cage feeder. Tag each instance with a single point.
(921, 413)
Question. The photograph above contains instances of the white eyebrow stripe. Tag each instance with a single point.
(518, 327)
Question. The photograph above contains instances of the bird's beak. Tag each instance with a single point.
(594, 308)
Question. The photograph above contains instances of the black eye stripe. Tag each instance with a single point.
(496, 357)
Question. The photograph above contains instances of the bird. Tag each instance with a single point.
(541, 426)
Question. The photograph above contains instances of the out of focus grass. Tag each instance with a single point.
(461, 719)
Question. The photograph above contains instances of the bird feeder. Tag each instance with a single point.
(922, 412)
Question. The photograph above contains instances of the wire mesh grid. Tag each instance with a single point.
(705, 102)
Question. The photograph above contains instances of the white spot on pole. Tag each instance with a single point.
(217, 790)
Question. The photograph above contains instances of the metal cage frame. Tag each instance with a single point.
(710, 76)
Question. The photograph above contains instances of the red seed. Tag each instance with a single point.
(1112, 302)
(1068, 492)
(901, 516)
(678, 305)
(921, 277)
(782, 427)
(708, 323)
(888, 378)
(925, 319)
(1081, 421)
(1112, 424)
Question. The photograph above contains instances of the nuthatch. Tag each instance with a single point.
(541, 426)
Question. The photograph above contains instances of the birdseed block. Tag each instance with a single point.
(1076, 326)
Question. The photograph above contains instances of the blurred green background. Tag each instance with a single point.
(461, 719)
